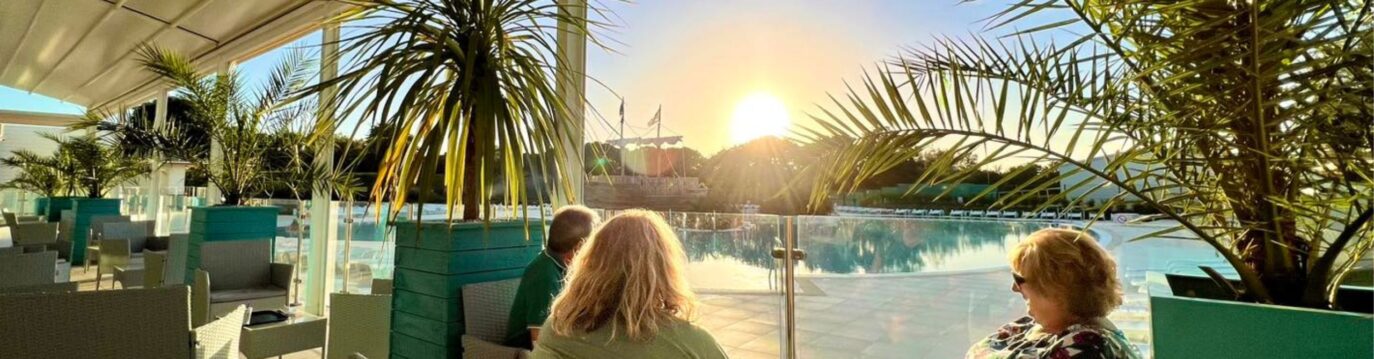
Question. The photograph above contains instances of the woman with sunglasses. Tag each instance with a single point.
(1069, 283)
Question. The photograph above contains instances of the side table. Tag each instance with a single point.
(300, 332)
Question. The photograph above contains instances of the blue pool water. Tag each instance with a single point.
(735, 252)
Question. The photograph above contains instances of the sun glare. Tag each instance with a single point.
(757, 115)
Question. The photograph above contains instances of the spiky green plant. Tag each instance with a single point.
(466, 85)
(231, 116)
(1247, 122)
(37, 173)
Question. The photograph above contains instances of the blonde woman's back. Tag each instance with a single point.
(627, 296)
(679, 339)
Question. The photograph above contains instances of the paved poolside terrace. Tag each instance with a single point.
(925, 315)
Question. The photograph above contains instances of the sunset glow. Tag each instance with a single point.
(757, 115)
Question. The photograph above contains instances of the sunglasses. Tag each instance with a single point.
(1018, 279)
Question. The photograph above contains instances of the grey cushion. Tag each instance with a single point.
(237, 295)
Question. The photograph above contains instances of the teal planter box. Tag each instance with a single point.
(1186, 327)
(52, 207)
(84, 209)
(229, 223)
(434, 260)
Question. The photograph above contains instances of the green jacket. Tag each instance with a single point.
(542, 281)
(681, 339)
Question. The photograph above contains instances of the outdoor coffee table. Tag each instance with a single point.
(300, 332)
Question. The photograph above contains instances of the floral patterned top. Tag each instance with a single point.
(1025, 339)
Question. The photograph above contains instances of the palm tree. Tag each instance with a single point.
(81, 163)
(1247, 122)
(228, 115)
(38, 174)
(465, 85)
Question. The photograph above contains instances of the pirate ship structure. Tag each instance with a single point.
(650, 175)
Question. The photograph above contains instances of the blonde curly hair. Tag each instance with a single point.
(631, 275)
(1069, 266)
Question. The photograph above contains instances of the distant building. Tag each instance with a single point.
(1069, 182)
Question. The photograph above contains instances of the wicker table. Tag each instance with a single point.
(301, 332)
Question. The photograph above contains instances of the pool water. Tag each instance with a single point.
(735, 253)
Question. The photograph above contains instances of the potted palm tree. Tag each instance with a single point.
(1248, 123)
(236, 120)
(41, 175)
(467, 89)
(92, 168)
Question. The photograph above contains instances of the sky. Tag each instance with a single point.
(698, 60)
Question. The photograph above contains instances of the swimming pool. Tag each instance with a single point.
(734, 252)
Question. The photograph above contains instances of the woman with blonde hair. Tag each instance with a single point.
(627, 297)
(1070, 285)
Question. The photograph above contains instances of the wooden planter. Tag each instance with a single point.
(52, 207)
(84, 209)
(1187, 327)
(434, 260)
(229, 223)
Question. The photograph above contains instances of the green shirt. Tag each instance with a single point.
(678, 340)
(542, 281)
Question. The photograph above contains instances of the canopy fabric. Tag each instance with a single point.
(84, 51)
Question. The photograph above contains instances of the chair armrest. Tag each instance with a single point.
(281, 274)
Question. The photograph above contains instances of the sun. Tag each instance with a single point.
(757, 115)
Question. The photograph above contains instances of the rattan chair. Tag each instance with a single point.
(28, 269)
(220, 339)
(382, 286)
(35, 236)
(200, 298)
(240, 272)
(486, 309)
(137, 323)
(359, 324)
(96, 232)
(115, 253)
(154, 269)
(41, 288)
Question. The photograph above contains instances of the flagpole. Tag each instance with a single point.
(622, 137)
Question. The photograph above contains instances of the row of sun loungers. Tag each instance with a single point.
(958, 213)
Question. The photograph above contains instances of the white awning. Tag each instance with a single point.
(84, 51)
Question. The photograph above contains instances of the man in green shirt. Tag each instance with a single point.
(543, 277)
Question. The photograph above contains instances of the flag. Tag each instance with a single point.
(657, 116)
(622, 112)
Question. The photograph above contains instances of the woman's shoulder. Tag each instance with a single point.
(1098, 339)
(695, 336)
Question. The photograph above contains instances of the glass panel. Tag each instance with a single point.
(366, 248)
(737, 280)
(18, 202)
(908, 288)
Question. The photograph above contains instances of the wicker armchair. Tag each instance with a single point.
(240, 272)
(138, 323)
(34, 236)
(359, 324)
(220, 339)
(41, 288)
(27, 269)
(12, 219)
(122, 256)
(486, 308)
(97, 232)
